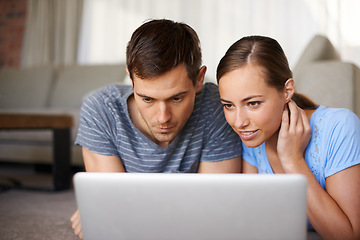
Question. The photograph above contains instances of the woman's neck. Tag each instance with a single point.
(271, 152)
(271, 143)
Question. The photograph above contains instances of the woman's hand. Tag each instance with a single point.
(294, 135)
(76, 224)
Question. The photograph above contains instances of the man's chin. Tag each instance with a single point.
(164, 139)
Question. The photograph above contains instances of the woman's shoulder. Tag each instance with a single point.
(336, 131)
(336, 115)
(334, 119)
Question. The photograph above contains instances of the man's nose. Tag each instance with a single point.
(164, 113)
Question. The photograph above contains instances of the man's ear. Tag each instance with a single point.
(289, 89)
(200, 78)
(131, 80)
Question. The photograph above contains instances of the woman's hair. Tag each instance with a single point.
(266, 53)
(158, 46)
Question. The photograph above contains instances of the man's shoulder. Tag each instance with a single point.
(109, 94)
(113, 91)
(210, 97)
(209, 93)
(208, 108)
(211, 88)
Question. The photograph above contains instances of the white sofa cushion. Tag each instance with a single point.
(329, 83)
(25, 88)
(75, 82)
(324, 77)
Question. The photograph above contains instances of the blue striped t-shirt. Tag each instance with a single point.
(106, 129)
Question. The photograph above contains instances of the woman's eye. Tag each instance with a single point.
(228, 106)
(254, 104)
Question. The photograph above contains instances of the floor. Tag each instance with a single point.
(39, 213)
(29, 209)
(36, 215)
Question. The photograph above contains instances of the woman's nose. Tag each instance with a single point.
(241, 120)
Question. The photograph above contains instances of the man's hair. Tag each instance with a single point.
(158, 46)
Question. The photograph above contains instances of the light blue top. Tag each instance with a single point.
(334, 144)
(106, 129)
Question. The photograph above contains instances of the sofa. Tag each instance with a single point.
(325, 78)
(48, 89)
(320, 74)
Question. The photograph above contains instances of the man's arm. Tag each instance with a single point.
(95, 163)
(226, 166)
(99, 163)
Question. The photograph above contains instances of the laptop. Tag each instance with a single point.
(183, 206)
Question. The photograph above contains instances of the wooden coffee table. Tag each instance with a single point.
(60, 124)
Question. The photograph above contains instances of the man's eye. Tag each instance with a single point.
(147, 99)
(177, 99)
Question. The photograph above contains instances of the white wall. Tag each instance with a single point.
(108, 24)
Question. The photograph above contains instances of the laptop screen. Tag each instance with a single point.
(181, 206)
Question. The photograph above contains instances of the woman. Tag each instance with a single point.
(261, 105)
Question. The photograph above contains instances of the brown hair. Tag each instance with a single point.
(266, 53)
(158, 46)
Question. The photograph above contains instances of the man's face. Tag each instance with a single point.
(164, 104)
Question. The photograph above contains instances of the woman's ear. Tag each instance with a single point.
(289, 89)
(200, 78)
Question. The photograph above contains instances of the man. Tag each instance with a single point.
(167, 121)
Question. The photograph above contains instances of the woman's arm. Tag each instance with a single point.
(344, 188)
(248, 168)
(226, 166)
(335, 213)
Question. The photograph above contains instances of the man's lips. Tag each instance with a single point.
(165, 129)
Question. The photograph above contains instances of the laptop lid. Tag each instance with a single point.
(180, 206)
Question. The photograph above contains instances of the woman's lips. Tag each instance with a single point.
(248, 135)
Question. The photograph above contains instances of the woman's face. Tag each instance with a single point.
(252, 108)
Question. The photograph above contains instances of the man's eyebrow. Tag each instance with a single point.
(143, 96)
(179, 94)
(174, 96)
